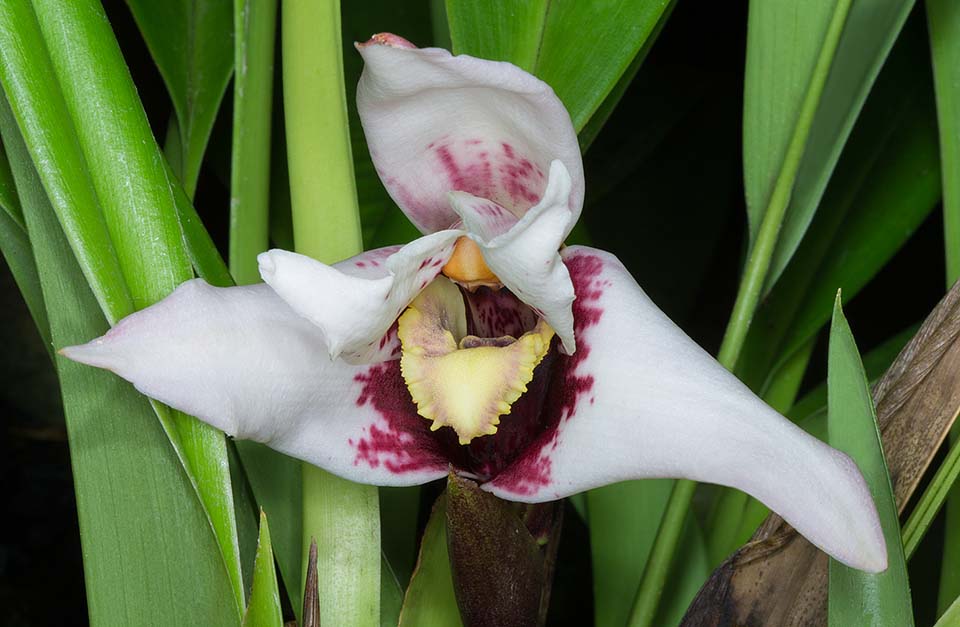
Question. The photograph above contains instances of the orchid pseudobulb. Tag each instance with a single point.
(485, 345)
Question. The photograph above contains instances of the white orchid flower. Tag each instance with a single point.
(483, 346)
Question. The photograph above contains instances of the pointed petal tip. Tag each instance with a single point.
(384, 39)
(81, 353)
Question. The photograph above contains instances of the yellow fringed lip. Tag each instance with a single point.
(459, 380)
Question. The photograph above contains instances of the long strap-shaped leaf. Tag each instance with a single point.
(856, 597)
(943, 19)
(87, 132)
(190, 41)
(808, 74)
(145, 537)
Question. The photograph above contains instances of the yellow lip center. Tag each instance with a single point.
(468, 267)
(460, 380)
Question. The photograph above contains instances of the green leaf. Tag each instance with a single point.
(875, 363)
(391, 595)
(255, 28)
(591, 128)
(808, 74)
(191, 42)
(130, 180)
(856, 597)
(264, 607)
(18, 253)
(146, 540)
(943, 20)
(931, 501)
(430, 600)
(950, 618)
(623, 520)
(399, 510)
(40, 111)
(885, 185)
(560, 42)
(275, 481)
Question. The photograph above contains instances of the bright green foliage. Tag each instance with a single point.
(930, 501)
(147, 542)
(255, 24)
(263, 610)
(943, 20)
(560, 42)
(888, 175)
(41, 113)
(950, 618)
(85, 52)
(191, 43)
(856, 597)
(794, 59)
(430, 601)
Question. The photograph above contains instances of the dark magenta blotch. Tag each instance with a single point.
(517, 457)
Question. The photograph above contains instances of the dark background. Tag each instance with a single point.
(664, 193)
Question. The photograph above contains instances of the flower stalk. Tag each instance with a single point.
(343, 516)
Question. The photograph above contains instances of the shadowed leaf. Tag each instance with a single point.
(781, 579)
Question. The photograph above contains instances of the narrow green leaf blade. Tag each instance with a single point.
(943, 21)
(623, 520)
(950, 618)
(131, 182)
(264, 607)
(255, 30)
(885, 185)
(41, 114)
(191, 42)
(146, 540)
(869, 34)
(430, 600)
(856, 597)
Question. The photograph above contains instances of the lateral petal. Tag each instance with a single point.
(241, 360)
(640, 399)
(437, 123)
(355, 306)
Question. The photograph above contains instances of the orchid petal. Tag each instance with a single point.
(437, 123)
(523, 254)
(641, 399)
(241, 360)
(354, 306)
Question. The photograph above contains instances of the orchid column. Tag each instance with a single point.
(343, 516)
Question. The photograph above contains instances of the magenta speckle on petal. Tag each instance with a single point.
(401, 441)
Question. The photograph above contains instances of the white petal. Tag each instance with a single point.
(436, 123)
(243, 361)
(355, 306)
(524, 254)
(641, 399)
